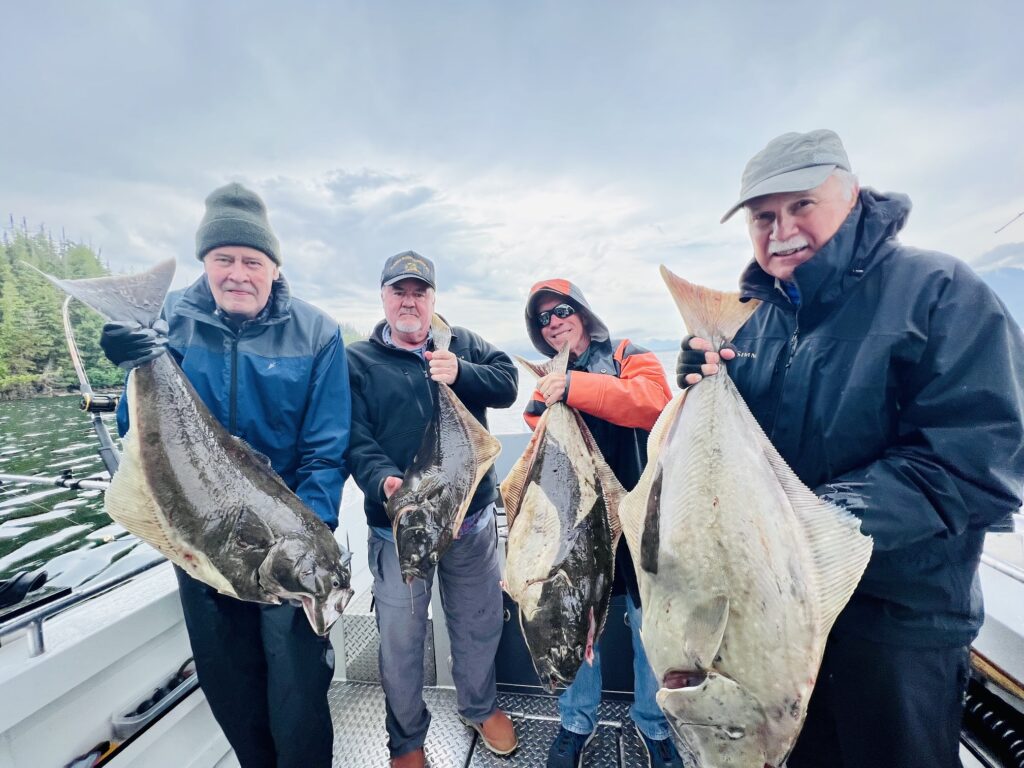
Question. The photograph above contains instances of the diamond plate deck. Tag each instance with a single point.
(362, 641)
(360, 740)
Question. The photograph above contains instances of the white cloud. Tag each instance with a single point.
(507, 142)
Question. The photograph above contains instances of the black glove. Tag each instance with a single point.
(690, 361)
(129, 344)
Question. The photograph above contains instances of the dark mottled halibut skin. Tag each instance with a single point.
(202, 497)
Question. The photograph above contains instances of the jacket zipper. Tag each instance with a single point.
(233, 401)
(790, 353)
(792, 343)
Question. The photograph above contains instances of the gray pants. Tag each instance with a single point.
(471, 598)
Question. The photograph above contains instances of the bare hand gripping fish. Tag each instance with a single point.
(742, 569)
(198, 495)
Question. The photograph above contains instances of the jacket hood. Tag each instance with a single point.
(570, 293)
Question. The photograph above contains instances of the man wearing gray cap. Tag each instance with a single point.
(394, 394)
(889, 378)
(271, 368)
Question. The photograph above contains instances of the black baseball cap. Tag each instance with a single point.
(407, 264)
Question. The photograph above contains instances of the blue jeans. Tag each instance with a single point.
(578, 703)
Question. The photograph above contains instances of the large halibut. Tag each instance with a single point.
(427, 510)
(200, 496)
(561, 499)
(742, 569)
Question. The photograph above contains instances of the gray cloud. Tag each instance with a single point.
(507, 142)
(1005, 255)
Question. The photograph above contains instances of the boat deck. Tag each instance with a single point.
(360, 739)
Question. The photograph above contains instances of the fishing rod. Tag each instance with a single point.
(59, 481)
(91, 402)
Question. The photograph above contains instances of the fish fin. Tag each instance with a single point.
(513, 487)
(839, 551)
(650, 540)
(440, 332)
(633, 509)
(260, 457)
(557, 364)
(709, 314)
(611, 488)
(250, 531)
(129, 502)
(660, 430)
(705, 628)
(138, 297)
(486, 448)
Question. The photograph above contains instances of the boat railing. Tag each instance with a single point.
(1012, 569)
(1007, 569)
(33, 620)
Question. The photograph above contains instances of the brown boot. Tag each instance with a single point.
(497, 733)
(412, 759)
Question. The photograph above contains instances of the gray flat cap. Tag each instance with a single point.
(792, 162)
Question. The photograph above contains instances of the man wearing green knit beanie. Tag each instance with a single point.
(236, 216)
(272, 369)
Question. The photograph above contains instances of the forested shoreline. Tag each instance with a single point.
(34, 359)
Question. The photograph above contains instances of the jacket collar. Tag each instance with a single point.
(377, 336)
(853, 251)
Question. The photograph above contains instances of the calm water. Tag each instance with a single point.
(68, 533)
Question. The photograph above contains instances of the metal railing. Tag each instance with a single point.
(33, 620)
(1003, 567)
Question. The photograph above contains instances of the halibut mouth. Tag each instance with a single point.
(679, 678)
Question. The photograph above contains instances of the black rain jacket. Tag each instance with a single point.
(895, 389)
(393, 399)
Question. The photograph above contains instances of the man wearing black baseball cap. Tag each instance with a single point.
(393, 398)
(890, 380)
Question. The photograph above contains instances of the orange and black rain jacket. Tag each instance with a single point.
(618, 387)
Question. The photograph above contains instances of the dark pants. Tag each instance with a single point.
(884, 706)
(265, 673)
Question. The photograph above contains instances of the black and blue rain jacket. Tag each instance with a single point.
(895, 389)
(280, 383)
(393, 399)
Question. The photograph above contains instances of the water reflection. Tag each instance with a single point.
(69, 534)
(66, 531)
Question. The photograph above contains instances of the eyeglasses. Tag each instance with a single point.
(561, 311)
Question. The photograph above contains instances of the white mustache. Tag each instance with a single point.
(787, 245)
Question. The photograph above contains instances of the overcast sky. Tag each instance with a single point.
(509, 141)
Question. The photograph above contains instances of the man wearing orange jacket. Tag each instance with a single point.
(619, 389)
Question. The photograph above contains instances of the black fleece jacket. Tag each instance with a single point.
(393, 399)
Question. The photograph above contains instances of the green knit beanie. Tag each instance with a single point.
(236, 216)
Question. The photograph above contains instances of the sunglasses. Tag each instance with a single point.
(561, 311)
